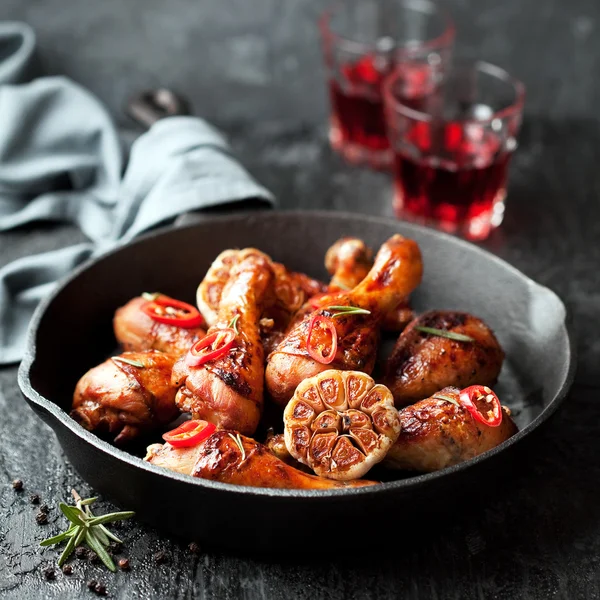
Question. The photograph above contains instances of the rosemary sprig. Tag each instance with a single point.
(233, 324)
(347, 310)
(446, 398)
(128, 361)
(85, 527)
(451, 335)
(238, 440)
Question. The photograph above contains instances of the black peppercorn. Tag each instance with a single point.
(100, 589)
(49, 573)
(93, 557)
(92, 583)
(194, 548)
(44, 508)
(17, 485)
(67, 569)
(81, 552)
(160, 557)
(124, 564)
(41, 518)
(115, 548)
(34, 499)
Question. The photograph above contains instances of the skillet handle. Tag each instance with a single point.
(149, 106)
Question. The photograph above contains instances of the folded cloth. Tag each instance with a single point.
(61, 159)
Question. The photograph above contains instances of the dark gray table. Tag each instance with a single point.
(253, 69)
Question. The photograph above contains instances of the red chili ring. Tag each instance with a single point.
(197, 355)
(186, 315)
(482, 394)
(189, 433)
(326, 322)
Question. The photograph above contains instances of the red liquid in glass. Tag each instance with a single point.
(457, 183)
(357, 115)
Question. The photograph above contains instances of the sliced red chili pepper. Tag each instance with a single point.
(189, 433)
(214, 345)
(483, 404)
(173, 312)
(317, 343)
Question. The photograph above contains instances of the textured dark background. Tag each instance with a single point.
(253, 68)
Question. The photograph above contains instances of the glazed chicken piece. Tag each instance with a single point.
(136, 331)
(228, 390)
(396, 272)
(423, 363)
(228, 457)
(127, 395)
(349, 261)
(290, 290)
(436, 434)
(275, 444)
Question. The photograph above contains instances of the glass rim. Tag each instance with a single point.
(446, 38)
(512, 109)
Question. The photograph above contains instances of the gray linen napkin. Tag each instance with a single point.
(61, 160)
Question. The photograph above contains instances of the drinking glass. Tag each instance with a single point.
(363, 40)
(452, 151)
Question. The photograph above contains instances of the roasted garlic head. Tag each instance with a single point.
(340, 424)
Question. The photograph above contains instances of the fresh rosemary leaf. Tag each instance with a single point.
(102, 537)
(89, 501)
(445, 398)
(110, 535)
(133, 363)
(96, 546)
(238, 440)
(233, 324)
(67, 551)
(348, 310)
(61, 537)
(451, 335)
(80, 536)
(109, 518)
(73, 514)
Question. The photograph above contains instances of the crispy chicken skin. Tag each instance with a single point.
(136, 331)
(228, 391)
(290, 289)
(436, 434)
(396, 272)
(422, 363)
(220, 458)
(126, 400)
(348, 262)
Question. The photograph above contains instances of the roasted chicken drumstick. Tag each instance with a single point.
(423, 363)
(290, 289)
(228, 457)
(353, 335)
(227, 390)
(348, 262)
(135, 330)
(439, 432)
(127, 395)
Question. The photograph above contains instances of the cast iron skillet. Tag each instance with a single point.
(71, 332)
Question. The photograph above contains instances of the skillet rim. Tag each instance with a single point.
(60, 417)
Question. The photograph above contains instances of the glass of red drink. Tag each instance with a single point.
(363, 41)
(452, 150)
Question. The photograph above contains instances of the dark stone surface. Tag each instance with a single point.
(253, 68)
